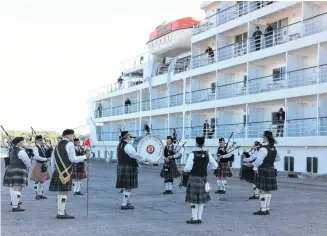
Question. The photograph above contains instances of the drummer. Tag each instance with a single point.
(248, 172)
(169, 170)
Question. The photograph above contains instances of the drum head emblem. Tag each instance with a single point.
(150, 149)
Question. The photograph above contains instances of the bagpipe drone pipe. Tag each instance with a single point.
(47, 143)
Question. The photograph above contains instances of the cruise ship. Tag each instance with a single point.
(234, 70)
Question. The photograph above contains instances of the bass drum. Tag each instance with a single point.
(149, 147)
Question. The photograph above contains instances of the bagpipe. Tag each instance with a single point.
(29, 151)
(47, 143)
(176, 148)
(230, 149)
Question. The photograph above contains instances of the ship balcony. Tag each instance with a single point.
(322, 126)
(231, 13)
(160, 133)
(176, 100)
(301, 127)
(136, 62)
(203, 95)
(225, 130)
(231, 90)
(134, 107)
(159, 103)
(204, 59)
(232, 50)
(146, 105)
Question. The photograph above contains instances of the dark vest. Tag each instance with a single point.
(169, 152)
(222, 151)
(64, 162)
(79, 153)
(42, 153)
(123, 158)
(200, 163)
(269, 160)
(15, 162)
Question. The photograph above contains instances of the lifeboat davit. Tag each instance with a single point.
(172, 38)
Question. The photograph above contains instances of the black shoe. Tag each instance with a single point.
(267, 212)
(260, 213)
(128, 204)
(166, 192)
(64, 217)
(254, 197)
(37, 197)
(191, 221)
(218, 191)
(170, 191)
(42, 197)
(222, 191)
(17, 209)
(200, 221)
(127, 207)
(121, 191)
(20, 203)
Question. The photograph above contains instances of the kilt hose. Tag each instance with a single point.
(57, 186)
(265, 179)
(195, 190)
(247, 174)
(15, 177)
(223, 170)
(38, 175)
(127, 176)
(172, 172)
(79, 172)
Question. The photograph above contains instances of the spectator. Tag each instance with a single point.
(269, 36)
(257, 38)
(120, 81)
(280, 125)
(211, 55)
(100, 109)
(174, 136)
(127, 105)
(205, 128)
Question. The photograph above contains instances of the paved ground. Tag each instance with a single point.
(297, 209)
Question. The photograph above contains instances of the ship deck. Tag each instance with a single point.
(298, 208)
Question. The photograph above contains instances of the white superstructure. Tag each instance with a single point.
(237, 89)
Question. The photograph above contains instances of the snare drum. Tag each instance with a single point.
(149, 147)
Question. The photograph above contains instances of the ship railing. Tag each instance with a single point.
(256, 5)
(134, 107)
(225, 130)
(204, 95)
(135, 62)
(302, 127)
(302, 77)
(256, 129)
(176, 100)
(278, 36)
(315, 24)
(322, 126)
(232, 50)
(266, 84)
(188, 98)
(117, 110)
(193, 132)
(109, 136)
(182, 65)
(204, 59)
(160, 133)
(231, 90)
(146, 105)
(323, 73)
(179, 131)
(159, 103)
(104, 113)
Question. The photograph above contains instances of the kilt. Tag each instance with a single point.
(195, 191)
(223, 170)
(15, 177)
(265, 179)
(57, 186)
(172, 172)
(38, 175)
(127, 176)
(247, 174)
(78, 171)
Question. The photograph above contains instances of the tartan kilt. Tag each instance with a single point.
(223, 170)
(172, 172)
(78, 171)
(247, 174)
(265, 179)
(38, 175)
(15, 177)
(57, 186)
(127, 176)
(195, 190)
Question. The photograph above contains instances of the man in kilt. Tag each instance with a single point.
(127, 169)
(223, 171)
(169, 170)
(40, 172)
(247, 172)
(79, 172)
(266, 174)
(16, 176)
(62, 162)
(196, 192)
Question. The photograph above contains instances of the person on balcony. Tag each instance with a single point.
(269, 36)
(120, 81)
(281, 119)
(100, 109)
(174, 136)
(205, 128)
(211, 55)
(257, 38)
(128, 104)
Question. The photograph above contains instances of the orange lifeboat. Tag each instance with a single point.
(172, 38)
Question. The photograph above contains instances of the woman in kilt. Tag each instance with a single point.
(79, 172)
(223, 170)
(196, 194)
(265, 179)
(16, 176)
(61, 161)
(127, 169)
(169, 170)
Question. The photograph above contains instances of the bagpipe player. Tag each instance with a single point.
(248, 172)
(197, 192)
(16, 176)
(79, 171)
(127, 169)
(266, 180)
(169, 170)
(62, 161)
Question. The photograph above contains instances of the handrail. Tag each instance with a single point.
(312, 118)
(219, 86)
(302, 69)
(265, 76)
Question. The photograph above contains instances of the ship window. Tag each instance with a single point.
(274, 118)
(289, 163)
(312, 164)
(279, 73)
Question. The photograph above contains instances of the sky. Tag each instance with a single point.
(53, 52)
